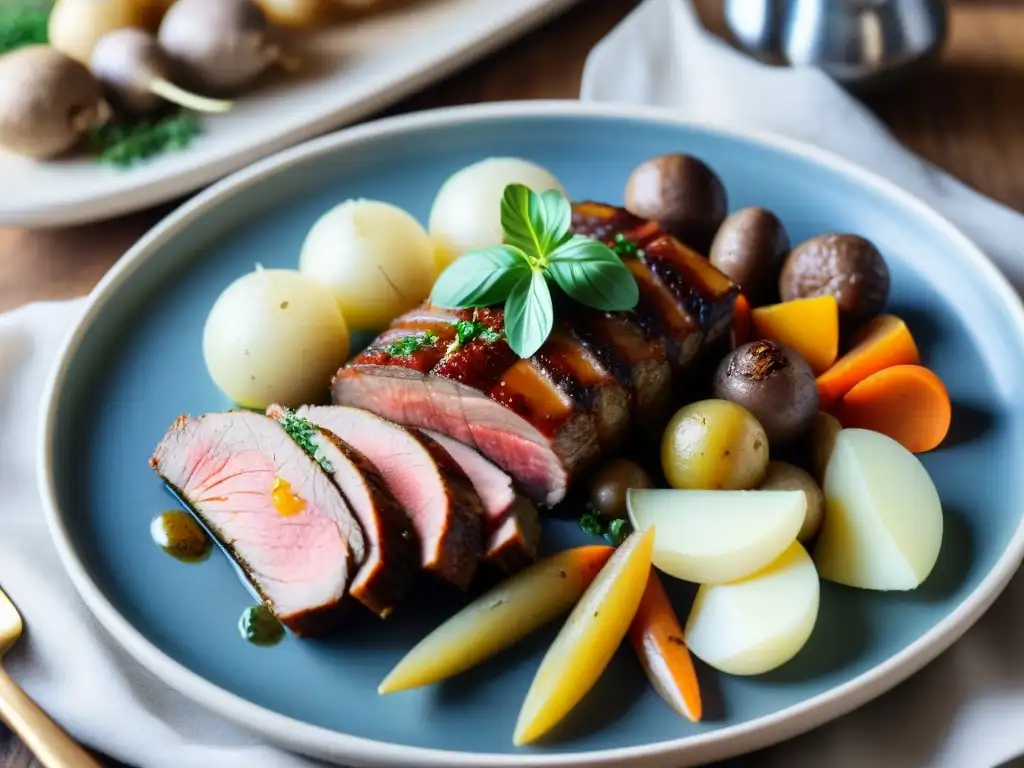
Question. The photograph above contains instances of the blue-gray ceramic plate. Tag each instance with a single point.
(135, 362)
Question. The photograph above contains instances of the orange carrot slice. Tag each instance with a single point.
(657, 638)
(808, 326)
(884, 342)
(740, 321)
(908, 403)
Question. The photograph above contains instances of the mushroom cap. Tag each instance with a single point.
(220, 45)
(47, 101)
(126, 61)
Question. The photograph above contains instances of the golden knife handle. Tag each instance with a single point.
(48, 741)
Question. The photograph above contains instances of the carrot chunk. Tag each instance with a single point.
(809, 326)
(657, 638)
(884, 342)
(908, 403)
(740, 321)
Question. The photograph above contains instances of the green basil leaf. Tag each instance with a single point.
(592, 274)
(535, 224)
(529, 315)
(480, 278)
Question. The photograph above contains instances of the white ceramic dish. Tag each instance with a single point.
(357, 69)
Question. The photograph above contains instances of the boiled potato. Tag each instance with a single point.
(757, 624)
(787, 477)
(588, 639)
(714, 445)
(375, 258)
(499, 618)
(295, 13)
(274, 336)
(883, 519)
(75, 26)
(712, 537)
(467, 210)
(823, 438)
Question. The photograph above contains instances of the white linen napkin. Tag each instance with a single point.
(965, 710)
(962, 711)
(65, 661)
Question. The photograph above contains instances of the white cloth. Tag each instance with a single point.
(65, 661)
(963, 711)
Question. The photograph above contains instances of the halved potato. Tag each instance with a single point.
(883, 518)
(759, 623)
(713, 537)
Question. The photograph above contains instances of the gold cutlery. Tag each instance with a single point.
(48, 741)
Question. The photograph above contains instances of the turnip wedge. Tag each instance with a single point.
(589, 639)
(499, 618)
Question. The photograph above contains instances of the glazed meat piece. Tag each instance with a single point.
(392, 545)
(683, 297)
(480, 394)
(445, 510)
(272, 507)
(547, 419)
(511, 522)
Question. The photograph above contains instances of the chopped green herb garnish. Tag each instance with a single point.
(411, 344)
(626, 248)
(468, 330)
(23, 23)
(614, 532)
(618, 530)
(126, 143)
(302, 432)
(591, 524)
(538, 248)
(259, 626)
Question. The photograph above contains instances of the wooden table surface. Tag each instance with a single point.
(965, 115)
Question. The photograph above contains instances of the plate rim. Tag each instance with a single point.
(324, 743)
(141, 194)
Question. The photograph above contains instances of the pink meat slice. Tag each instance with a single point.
(227, 467)
(512, 525)
(444, 509)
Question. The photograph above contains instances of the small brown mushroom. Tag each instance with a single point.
(220, 46)
(845, 266)
(772, 382)
(682, 194)
(608, 487)
(136, 75)
(749, 248)
(48, 101)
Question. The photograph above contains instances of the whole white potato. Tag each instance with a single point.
(375, 258)
(467, 210)
(274, 336)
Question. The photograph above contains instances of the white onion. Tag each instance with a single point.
(274, 336)
(467, 210)
(376, 259)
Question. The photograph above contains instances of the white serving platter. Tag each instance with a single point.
(348, 73)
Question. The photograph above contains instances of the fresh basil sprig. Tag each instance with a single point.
(538, 247)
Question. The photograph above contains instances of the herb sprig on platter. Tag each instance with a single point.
(539, 249)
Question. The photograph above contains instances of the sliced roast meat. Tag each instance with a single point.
(541, 461)
(392, 545)
(511, 523)
(637, 360)
(683, 297)
(587, 382)
(271, 506)
(546, 420)
(444, 510)
(513, 546)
